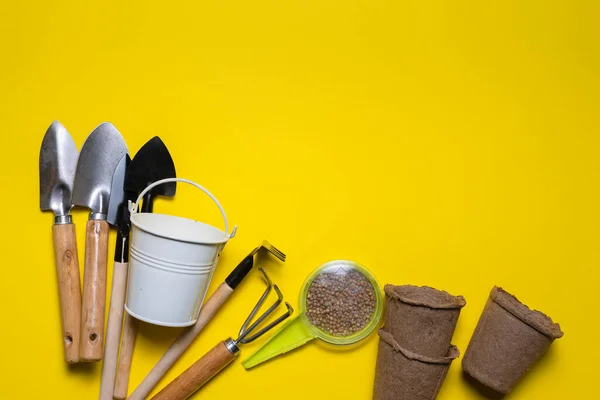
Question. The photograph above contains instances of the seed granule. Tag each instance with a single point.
(340, 302)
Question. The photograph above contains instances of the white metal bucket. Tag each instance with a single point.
(171, 263)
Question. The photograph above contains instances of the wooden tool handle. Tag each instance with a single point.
(198, 374)
(130, 330)
(185, 339)
(113, 331)
(69, 288)
(94, 291)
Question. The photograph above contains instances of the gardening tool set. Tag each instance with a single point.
(163, 266)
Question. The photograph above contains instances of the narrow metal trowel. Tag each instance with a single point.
(119, 212)
(58, 161)
(100, 155)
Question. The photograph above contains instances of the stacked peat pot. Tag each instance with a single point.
(415, 349)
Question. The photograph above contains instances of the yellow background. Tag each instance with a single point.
(452, 144)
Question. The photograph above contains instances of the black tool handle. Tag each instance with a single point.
(239, 273)
(122, 247)
(123, 228)
(148, 203)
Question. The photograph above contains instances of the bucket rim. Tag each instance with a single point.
(179, 238)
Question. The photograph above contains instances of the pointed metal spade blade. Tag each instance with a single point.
(100, 155)
(150, 164)
(58, 161)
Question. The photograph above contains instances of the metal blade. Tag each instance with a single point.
(150, 164)
(117, 193)
(100, 155)
(58, 161)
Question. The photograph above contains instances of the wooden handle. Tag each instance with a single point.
(198, 374)
(185, 339)
(94, 291)
(69, 288)
(130, 330)
(113, 331)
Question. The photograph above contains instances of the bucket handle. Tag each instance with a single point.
(133, 207)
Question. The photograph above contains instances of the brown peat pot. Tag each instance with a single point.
(421, 319)
(507, 342)
(401, 374)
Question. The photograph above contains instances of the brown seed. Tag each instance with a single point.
(341, 303)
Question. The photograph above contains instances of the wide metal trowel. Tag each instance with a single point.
(58, 161)
(100, 155)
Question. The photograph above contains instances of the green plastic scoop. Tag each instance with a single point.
(341, 303)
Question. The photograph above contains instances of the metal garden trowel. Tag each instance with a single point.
(100, 155)
(117, 211)
(58, 161)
